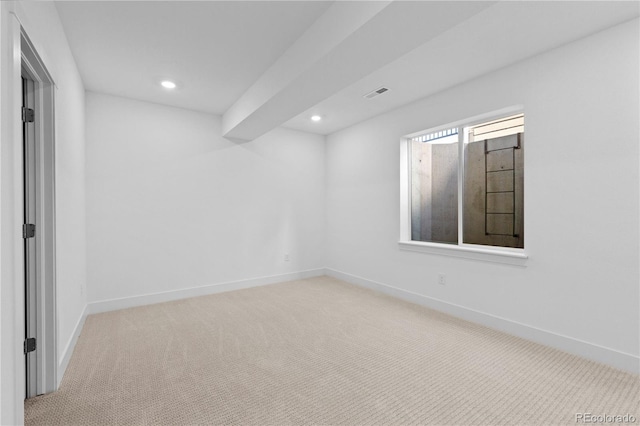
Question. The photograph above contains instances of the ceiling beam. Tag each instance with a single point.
(348, 42)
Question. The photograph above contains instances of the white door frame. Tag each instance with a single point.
(12, 373)
(46, 354)
(12, 365)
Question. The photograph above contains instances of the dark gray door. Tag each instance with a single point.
(30, 234)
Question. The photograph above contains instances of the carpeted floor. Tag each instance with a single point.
(319, 351)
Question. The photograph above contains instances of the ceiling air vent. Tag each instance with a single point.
(376, 92)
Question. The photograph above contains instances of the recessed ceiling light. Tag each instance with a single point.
(168, 84)
(316, 118)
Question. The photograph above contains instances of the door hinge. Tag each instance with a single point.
(28, 115)
(28, 230)
(29, 345)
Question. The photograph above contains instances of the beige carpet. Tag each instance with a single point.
(319, 351)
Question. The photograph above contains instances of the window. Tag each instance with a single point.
(466, 184)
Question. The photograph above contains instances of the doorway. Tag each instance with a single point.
(38, 229)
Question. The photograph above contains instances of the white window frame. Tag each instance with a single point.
(508, 255)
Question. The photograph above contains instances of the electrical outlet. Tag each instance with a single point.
(442, 279)
(286, 257)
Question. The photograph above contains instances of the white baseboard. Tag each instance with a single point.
(71, 344)
(168, 296)
(604, 355)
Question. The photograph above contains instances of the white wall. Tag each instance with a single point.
(581, 197)
(42, 25)
(172, 205)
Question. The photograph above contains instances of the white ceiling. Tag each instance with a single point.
(501, 35)
(268, 63)
(214, 49)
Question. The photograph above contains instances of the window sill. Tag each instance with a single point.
(510, 257)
